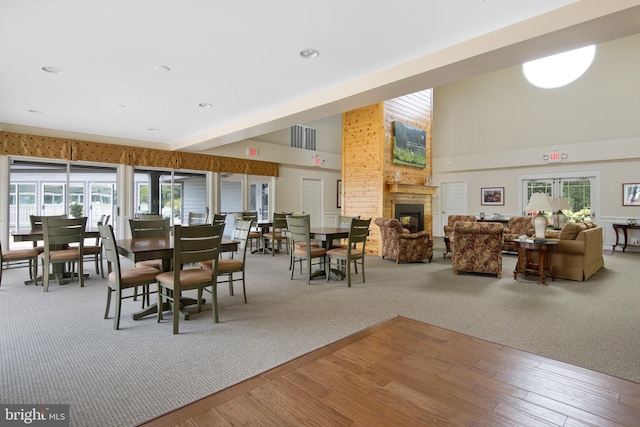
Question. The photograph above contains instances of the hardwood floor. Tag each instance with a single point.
(405, 372)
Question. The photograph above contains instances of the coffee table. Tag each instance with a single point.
(541, 264)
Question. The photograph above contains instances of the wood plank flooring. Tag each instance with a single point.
(405, 372)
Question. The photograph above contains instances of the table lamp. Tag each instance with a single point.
(559, 204)
(539, 202)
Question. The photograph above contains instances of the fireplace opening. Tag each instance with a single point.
(411, 216)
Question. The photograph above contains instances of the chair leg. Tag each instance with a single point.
(214, 302)
(106, 310)
(116, 316)
(244, 290)
(45, 277)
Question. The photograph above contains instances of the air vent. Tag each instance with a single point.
(303, 137)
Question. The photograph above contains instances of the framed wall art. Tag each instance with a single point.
(631, 194)
(492, 196)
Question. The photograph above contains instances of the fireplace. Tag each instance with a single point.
(411, 216)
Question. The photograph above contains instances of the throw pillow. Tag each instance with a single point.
(590, 224)
(571, 230)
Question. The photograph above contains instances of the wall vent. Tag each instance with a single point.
(303, 137)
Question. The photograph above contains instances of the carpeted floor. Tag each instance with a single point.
(57, 348)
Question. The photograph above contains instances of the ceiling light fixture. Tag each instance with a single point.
(205, 105)
(154, 130)
(52, 70)
(119, 105)
(35, 111)
(309, 53)
(559, 70)
(161, 68)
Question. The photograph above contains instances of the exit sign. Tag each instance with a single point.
(555, 157)
(252, 152)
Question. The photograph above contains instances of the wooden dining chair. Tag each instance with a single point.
(141, 228)
(30, 255)
(229, 266)
(352, 252)
(120, 279)
(94, 249)
(197, 218)
(276, 234)
(254, 234)
(36, 224)
(58, 234)
(302, 248)
(192, 245)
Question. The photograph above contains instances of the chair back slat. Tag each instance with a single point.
(147, 217)
(150, 228)
(219, 219)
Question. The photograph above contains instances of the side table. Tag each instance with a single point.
(541, 266)
(623, 228)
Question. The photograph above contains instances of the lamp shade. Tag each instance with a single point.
(539, 202)
(560, 204)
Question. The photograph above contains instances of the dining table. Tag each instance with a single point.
(148, 248)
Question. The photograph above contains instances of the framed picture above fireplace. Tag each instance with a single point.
(492, 196)
(409, 145)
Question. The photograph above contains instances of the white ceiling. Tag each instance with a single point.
(242, 57)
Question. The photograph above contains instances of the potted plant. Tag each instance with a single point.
(76, 210)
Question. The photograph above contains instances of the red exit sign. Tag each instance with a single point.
(555, 157)
(252, 152)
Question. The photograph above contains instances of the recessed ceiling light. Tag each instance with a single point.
(119, 105)
(205, 105)
(162, 68)
(309, 53)
(52, 70)
(35, 111)
(154, 130)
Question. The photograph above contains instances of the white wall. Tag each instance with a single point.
(490, 129)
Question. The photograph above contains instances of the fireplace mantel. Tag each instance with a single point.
(411, 189)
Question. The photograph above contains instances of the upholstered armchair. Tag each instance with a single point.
(517, 226)
(448, 229)
(477, 247)
(400, 244)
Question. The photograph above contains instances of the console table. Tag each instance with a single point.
(624, 228)
(544, 265)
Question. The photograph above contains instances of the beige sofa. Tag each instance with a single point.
(579, 252)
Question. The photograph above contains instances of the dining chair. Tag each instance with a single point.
(277, 234)
(9, 256)
(192, 245)
(219, 219)
(94, 251)
(141, 228)
(302, 248)
(36, 224)
(353, 251)
(254, 234)
(120, 278)
(197, 218)
(58, 233)
(343, 222)
(228, 266)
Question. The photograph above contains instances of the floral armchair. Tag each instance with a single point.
(399, 244)
(517, 226)
(448, 229)
(477, 247)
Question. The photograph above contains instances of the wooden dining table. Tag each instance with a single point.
(148, 248)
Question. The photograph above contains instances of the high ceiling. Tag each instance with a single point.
(137, 72)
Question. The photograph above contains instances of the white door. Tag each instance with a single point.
(454, 202)
(312, 200)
